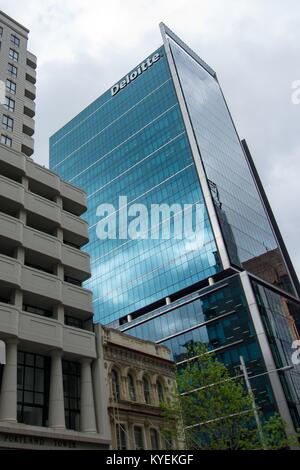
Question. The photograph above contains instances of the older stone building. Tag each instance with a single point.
(139, 375)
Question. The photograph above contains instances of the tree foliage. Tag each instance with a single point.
(215, 412)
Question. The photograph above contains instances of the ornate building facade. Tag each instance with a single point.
(139, 376)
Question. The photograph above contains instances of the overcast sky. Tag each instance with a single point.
(85, 46)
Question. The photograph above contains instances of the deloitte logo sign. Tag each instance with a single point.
(129, 78)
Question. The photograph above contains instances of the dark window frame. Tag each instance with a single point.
(11, 86)
(12, 70)
(5, 139)
(71, 380)
(9, 104)
(74, 322)
(160, 391)
(13, 55)
(121, 436)
(137, 445)
(7, 123)
(147, 390)
(131, 387)
(15, 40)
(115, 384)
(40, 399)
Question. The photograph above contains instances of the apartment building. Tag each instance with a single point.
(139, 377)
(17, 80)
(51, 379)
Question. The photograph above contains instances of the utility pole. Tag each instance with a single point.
(255, 411)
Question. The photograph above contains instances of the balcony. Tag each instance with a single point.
(74, 199)
(31, 60)
(11, 228)
(80, 342)
(14, 159)
(30, 74)
(29, 107)
(77, 229)
(30, 90)
(11, 190)
(40, 242)
(42, 284)
(9, 320)
(37, 329)
(27, 145)
(77, 298)
(43, 176)
(42, 207)
(28, 125)
(10, 271)
(77, 261)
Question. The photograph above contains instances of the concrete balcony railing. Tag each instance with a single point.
(31, 73)
(43, 176)
(76, 198)
(38, 329)
(80, 342)
(16, 160)
(10, 271)
(43, 207)
(11, 228)
(31, 89)
(27, 145)
(29, 125)
(76, 226)
(9, 319)
(29, 107)
(10, 189)
(40, 242)
(31, 58)
(41, 283)
(76, 259)
(77, 298)
(47, 331)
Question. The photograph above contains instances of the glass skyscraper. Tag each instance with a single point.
(163, 136)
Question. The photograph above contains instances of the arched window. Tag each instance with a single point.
(160, 391)
(115, 385)
(131, 388)
(146, 387)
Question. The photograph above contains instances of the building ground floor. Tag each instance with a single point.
(51, 398)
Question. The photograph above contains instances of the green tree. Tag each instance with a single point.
(215, 412)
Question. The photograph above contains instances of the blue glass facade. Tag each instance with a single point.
(134, 144)
(245, 226)
(276, 310)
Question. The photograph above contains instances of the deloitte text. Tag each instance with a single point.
(159, 221)
(133, 75)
